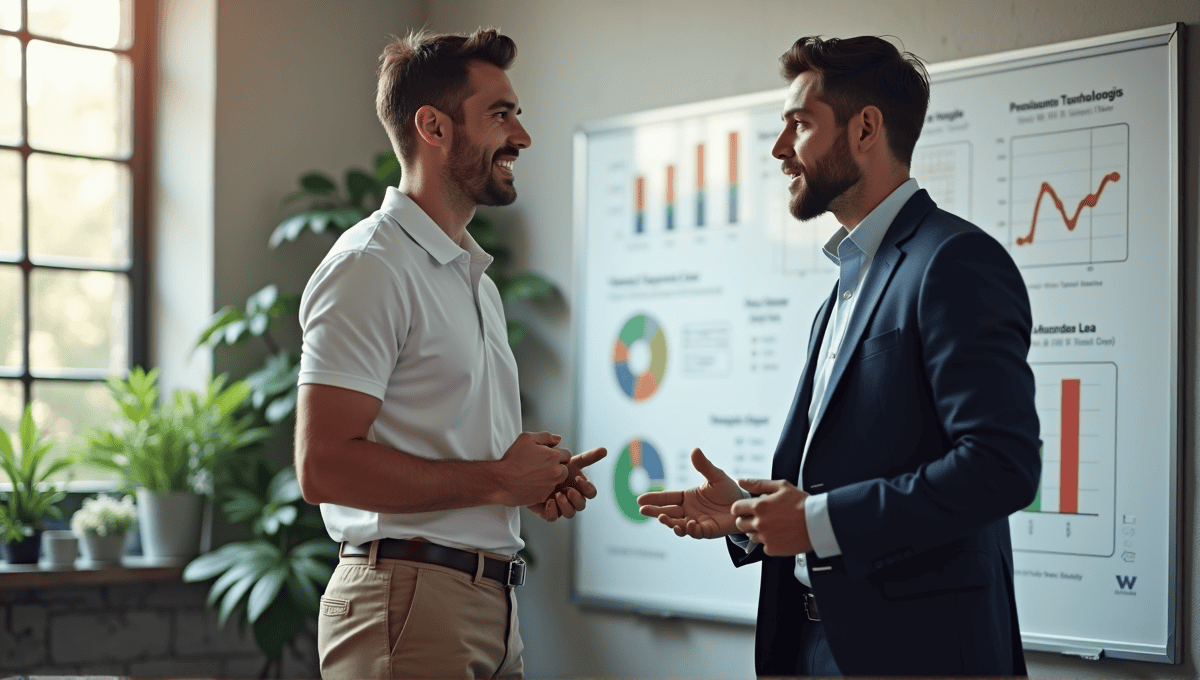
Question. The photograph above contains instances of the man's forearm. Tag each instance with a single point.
(370, 476)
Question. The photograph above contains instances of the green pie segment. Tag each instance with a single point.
(637, 455)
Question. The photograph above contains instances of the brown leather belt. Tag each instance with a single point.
(507, 573)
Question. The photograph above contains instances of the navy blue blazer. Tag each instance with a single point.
(928, 441)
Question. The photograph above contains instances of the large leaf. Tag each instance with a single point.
(359, 185)
(214, 333)
(516, 332)
(317, 184)
(281, 408)
(210, 564)
(242, 505)
(265, 591)
(527, 286)
(302, 591)
(387, 169)
(284, 487)
(317, 547)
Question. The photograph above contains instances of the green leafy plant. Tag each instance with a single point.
(275, 580)
(32, 497)
(176, 445)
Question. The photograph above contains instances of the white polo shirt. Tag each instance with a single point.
(398, 311)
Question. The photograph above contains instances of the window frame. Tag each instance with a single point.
(141, 52)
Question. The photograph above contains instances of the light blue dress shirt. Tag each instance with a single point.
(852, 251)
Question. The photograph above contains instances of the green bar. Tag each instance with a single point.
(1036, 505)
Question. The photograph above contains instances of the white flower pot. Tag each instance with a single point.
(102, 551)
(59, 548)
(169, 525)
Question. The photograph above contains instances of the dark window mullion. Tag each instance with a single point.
(25, 264)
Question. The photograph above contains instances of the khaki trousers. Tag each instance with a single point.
(383, 618)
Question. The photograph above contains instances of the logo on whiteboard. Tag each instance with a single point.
(1126, 585)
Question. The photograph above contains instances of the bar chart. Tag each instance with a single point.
(1073, 512)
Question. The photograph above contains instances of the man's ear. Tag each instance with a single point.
(867, 129)
(433, 126)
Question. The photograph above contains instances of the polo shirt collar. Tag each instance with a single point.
(422, 229)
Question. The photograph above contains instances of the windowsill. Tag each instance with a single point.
(131, 570)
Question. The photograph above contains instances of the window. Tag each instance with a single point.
(75, 127)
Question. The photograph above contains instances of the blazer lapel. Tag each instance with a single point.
(883, 266)
(786, 463)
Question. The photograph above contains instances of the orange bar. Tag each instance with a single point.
(1068, 494)
(733, 154)
(640, 193)
(670, 184)
(700, 167)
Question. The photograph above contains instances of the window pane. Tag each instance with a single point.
(66, 411)
(10, 89)
(10, 205)
(11, 324)
(79, 100)
(79, 209)
(80, 320)
(103, 23)
(10, 15)
(12, 405)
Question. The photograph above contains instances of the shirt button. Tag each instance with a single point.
(846, 295)
(833, 355)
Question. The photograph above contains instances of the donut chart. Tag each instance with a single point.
(636, 331)
(638, 464)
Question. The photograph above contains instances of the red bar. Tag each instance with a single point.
(670, 184)
(700, 167)
(733, 153)
(640, 193)
(1068, 498)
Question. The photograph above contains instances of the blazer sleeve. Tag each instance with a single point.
(974, 322)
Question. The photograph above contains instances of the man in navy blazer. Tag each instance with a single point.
(883, 534)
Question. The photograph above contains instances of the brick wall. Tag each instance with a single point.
(142, 629)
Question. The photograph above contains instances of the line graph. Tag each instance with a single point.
(1088, 169)
(1088, 201)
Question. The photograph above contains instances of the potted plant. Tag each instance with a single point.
(101, 525)
(168, 452)
(32, 497)
(274, 580)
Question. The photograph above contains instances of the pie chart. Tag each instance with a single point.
(639, 469)
(640, 357)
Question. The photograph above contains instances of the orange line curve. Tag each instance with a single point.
(1088, 201)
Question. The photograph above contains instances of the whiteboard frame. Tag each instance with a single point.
(1168, 35)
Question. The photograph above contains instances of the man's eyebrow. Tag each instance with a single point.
(506, 104)
(795, 110)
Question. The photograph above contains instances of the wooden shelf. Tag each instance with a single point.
(132, 570)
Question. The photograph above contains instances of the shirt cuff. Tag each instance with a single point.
(820, 527)
(742, 540)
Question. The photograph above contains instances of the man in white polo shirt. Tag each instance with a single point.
(408, 429)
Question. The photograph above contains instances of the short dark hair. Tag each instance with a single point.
(854, 73)
(426, 68)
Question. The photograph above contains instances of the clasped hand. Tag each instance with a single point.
(549, 481)
(718, 508)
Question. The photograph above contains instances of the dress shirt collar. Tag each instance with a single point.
(868, 234)
(418, 225)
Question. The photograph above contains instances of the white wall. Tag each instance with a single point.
(579, 61)
(181, 246)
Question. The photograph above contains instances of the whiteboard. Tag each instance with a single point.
(696, 291)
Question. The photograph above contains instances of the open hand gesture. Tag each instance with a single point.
(702, 512)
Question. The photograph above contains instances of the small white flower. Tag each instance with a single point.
(104, 515)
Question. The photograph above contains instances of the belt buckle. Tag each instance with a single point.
(810, 607)
(516, 573)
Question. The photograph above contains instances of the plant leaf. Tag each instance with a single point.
(284, 487)
(317, 547)
(281, 408)
(303, 593)
(516, 332)
(527, 286)
(289, 229)
(210, 564)
(265, 590)
(213, 335)
(278, 626)
(359, 184)
(317, 184)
